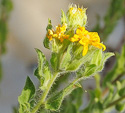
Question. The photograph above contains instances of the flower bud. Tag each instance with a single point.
(76, 16)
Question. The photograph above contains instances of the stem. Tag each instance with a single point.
(45, 93)
(115, 102)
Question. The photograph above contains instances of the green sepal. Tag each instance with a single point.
(43, 72)
(63, 17)
(55, 101)
(26, 95)
(46, 40)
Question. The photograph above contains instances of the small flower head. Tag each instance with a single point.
(58, 33)
(76, 16)
(86, 38)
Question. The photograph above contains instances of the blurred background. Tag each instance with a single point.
(26, 24)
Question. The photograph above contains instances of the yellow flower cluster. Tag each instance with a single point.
(86, 38)
(58, 33)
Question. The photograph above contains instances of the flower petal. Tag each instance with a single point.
(85, 49)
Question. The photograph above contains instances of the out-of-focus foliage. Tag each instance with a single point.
(114, 13)
(0, 70)
(5, 9)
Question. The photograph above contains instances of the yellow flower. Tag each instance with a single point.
(49, 34)
(59, 33)
(87, 38)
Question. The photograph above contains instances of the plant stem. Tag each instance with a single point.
(115, 102)
(45, 93)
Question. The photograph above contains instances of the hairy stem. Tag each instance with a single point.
(45, 93)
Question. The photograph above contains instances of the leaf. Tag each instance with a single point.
(54, 61)
(66, 57)
(76, 63)
(70, 107)
(46, 40)
(89, 70)
(120, 107)
(46, 43)
(122, 92)
(97, 57)
(55, 101)
(77, 96)
(117, 69)
(26, 95)
(104, 59)
(43, 72)
(80, 71)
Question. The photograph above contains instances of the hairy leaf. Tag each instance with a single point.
(26, 95)
(43, 72)
(55, 101)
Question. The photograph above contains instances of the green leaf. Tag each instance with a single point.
(54, 61)
(77, 96)
(118, 68)
(105, 56)
(80, 71)
(26, 95)
(46, 40)
(119, 85)
(55, 101)
(46, 43)
(76, 63)
(66, 57)
(63, 17)
(43, 72)
(70, 107)
(89, 70)
(122, 92)
(97, 57)
(120, 107)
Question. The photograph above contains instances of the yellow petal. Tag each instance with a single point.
(78, 31)
(104, 47)
(85, 49)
